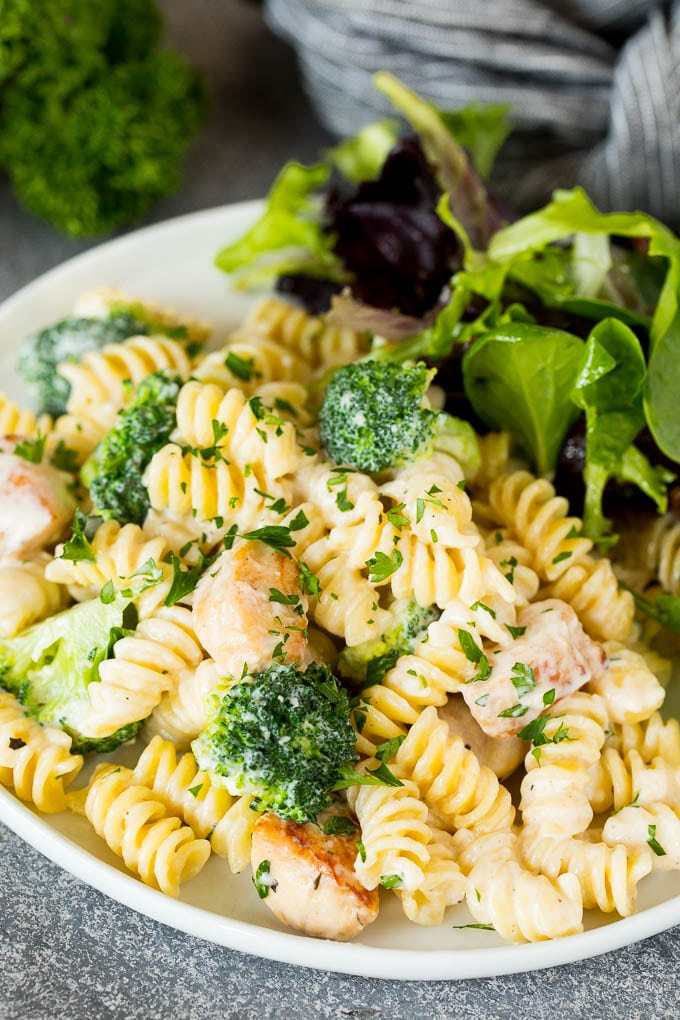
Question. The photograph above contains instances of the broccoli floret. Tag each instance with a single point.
(51, 665)
(69, 340)
(368, 663)
(374, 416)
(283, 735)
(114, 471)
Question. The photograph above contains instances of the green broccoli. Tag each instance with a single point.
(373, 416)
(368, 663)
(283, 735)
(94, 118)
(114, 471)
(50, 666)
(69, 340)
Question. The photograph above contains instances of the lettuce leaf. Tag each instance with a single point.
(481, 128)
(288, 237)
(361, 158)
(572, 212)
(468, 197)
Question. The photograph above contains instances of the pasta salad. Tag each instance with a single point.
(356, 639)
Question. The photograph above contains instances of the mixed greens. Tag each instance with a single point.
(562, 327)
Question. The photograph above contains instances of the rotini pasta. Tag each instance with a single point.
(35, 762)
(100, 382)
(521, 906)
(607, 875)
(538, 518)
(226, 821)
(654, 827)
(19, 421)
(126, 556)
(555, 788)
(462, 793)
(137, 827)
(627, 686)
(318, 344)
(144, 666)
(443, 883)
(26, 595)
(394, 835)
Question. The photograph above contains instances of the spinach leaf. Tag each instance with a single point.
(662, 389)
(518, 377)
(288, 237)
(609, 390)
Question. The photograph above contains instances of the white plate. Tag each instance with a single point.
(173, 264)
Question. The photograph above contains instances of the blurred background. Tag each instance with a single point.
(594, 87)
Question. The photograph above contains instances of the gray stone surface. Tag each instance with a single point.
(67, 951)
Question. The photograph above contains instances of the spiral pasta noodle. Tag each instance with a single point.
(463, 793)
(35, 761)
(653, 738)
(100, 382)
(191, 794)
(538, 518)
(443, 883)
(19, 421)
(137, 826)
(26, 595)
(521, 906)
(635, 826)
(394, 834)
(608, 876)
(119, 554)
(144, 666)
(181, 714)
(555, 789)
(627, 686)
(318, 343)
(592, 589)
(249, 361)
(623, 779)
(660, 543)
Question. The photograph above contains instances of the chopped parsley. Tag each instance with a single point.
(653, 843)
(381, 566)
(523, 679)
(262, 880)
(339, 825)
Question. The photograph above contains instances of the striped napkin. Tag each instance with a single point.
(594, 84)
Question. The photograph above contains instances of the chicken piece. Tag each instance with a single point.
(36, 502)
(501, 756)
(312, 885)
(552, 658)
(247, 605)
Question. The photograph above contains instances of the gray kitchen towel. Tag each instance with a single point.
(594, 85)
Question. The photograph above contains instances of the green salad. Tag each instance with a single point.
(561, 326)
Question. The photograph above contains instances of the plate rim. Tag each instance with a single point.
(289, 947)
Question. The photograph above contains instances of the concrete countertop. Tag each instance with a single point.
(66, 951)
